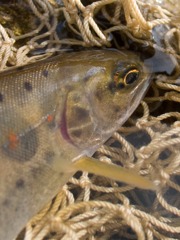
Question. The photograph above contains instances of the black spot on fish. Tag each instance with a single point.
(76, 133)
(81, 113)
(116, 109)
(45, 73)
(111, 87)
(20, 183)
(1, 97)
(98, 95)
(6, 202)
(28, 86)
(26, 147)
(49, 156)
(79, 116)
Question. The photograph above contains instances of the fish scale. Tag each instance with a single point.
(54, 114)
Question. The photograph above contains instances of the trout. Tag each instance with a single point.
(54, 114)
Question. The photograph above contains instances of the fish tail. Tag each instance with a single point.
(114, 172)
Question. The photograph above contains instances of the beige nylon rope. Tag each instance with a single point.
(101, 208)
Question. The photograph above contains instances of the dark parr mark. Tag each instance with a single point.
(25, 148)
(28, 86)
(1, 97)
(20, 183)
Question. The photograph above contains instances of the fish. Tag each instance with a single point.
(54, 115)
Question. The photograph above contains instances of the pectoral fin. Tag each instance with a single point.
(114, 172)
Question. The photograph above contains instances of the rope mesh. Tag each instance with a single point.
(88, 206)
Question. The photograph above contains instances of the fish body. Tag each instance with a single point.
(54, 112)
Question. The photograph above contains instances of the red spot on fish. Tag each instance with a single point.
(13, 140)
(49, 118)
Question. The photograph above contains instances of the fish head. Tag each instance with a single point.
(113, 86)
(118, 90)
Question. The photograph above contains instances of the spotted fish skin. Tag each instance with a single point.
(51, 113)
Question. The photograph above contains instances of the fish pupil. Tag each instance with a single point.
(131, 76)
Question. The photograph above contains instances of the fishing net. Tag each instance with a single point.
(89, 206)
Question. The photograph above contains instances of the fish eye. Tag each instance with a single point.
(131, 76)
(125, 76)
